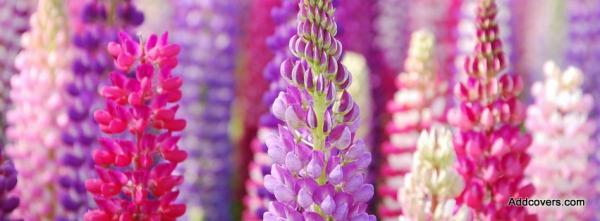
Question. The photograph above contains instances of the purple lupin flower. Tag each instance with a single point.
(584, 52)
(99, 25)
(319, 166)
(258, 198)
(208, 29)
(14, 18)
(392, 31)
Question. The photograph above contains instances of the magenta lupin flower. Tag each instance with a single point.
(319, 165)
(135, 164)
(489, 143)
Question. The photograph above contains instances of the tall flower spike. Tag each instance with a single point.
(562, 135)
(430, 188)
(319, 165)
(419, 103)
(14, 18)
(490, 146)
(208, 28)
(583, 52)
(99, 25)
(38, 113)
(135, 162)
(258, 197)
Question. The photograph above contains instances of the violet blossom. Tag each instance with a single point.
(419, 103)
(392, 30)
(258, 197)
(135, 162)
(38, 113)
(99, 25)
(208, 29)
(562, 135)
(490, 146)
(320, 167)
(14, 18)
(584, 52)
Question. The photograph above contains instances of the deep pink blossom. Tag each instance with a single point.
(135, 164)
(489, 143)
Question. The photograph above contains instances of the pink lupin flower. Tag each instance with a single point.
(419, 103)
(39, 112)
(562, 135)
(489, 143)
(135, 166)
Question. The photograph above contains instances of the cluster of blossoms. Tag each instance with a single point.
(419, 103)
(257, 199)
(320, 165)
(98, 26)
(430, 188)
(467, 36)
(392, 31)
(13, 17)
(489, 143)
(253, 85)
(39, 111)
(583, 52)
(562, 135)
(135, 164)
(208, 29)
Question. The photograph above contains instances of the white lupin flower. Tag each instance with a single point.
(433, 183)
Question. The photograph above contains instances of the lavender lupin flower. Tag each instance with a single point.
(392, 31)
(319, 166)
(208, 29)
(14, 18)
(258, 198)
(584, 52)
(99, 26)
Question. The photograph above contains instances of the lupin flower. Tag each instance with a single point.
(583, 51)
(8, 178)
(258, 197)
(419, 103)
(319, 165)
(38, 113)
(209, 29)
(467, 36)
(135, 162)
(14, 18)
(99, 25)
(491, 148)
(562, 135)
(253, 85)
(430, 188)
(392, 30)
